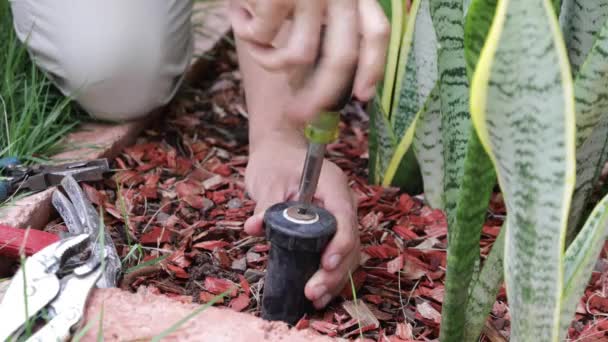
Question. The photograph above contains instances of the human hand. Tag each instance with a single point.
(273, 175)
(284, 35)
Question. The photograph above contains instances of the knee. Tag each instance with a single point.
(121, 76)
(118, 59)
(118, 68)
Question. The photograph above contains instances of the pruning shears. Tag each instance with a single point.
(14, 176)
(55, 283)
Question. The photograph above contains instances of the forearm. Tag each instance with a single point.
(266, 94)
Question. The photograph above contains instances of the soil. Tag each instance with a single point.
(177, 201)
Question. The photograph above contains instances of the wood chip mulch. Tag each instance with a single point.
(176, 204)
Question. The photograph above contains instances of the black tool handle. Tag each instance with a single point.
(295, 255)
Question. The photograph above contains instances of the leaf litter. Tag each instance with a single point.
(178, 199)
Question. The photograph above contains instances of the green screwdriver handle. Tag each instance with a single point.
(324, 128)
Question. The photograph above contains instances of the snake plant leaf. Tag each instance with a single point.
(465, 6)
(581, 20)
(477, 26)
(579, 261)
(406, 102)
(464, 235)
(557, 6)
(447, 16)
(591, 99)
(381, 141)
(386, 6)
(591, 94)
(590, 159)
(396, 15)
(417, 77)
(523, 109)
(417, 71)
(428, 148)
(485, 289)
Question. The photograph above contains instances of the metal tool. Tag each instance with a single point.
(81, 217)
(298, 230)
(39, 278)
(14, 176)
(54, 284)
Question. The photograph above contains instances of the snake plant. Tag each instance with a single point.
(507, 92)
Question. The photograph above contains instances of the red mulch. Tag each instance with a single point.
(181, 187)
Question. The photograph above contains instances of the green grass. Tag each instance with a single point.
(34, 115)
(354, 291)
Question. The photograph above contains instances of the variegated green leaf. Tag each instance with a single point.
(557, 6)
(523, 109)
(447, 16)
(465, 6)
(417, 77)
(463, 236)
(591, 99)
(429, 149)
(590, 91)
(590, 159)
(484, 289)
(580, 259)
(417, 73)
(381, 141)
(580, 21)
(407, 101)
(386, 6)
(397, 19)
(476, 30)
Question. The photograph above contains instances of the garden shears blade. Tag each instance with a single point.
(81, 217)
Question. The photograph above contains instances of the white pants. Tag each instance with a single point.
(119, 59)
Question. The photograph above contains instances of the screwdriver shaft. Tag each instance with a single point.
(310, 174)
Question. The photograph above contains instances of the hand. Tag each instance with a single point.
(273, 175)
(284, 35)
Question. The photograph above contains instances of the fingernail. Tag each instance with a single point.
(333, 261)
(324, 300)
(318, 291)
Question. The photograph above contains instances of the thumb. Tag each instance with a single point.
(255, 224)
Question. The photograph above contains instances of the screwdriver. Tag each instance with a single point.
(322, 131)
(298, 230)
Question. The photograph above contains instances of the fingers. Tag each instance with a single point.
(325, 285)
(336, 69)
(375, 31)
(302, 45)
(255, 224)
(344, 242)
(342, 253)
(259, 21)
(338, 199)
